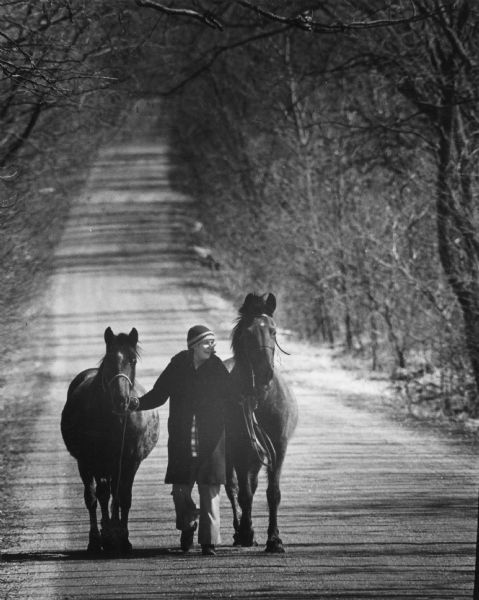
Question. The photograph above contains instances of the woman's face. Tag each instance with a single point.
(204, 349)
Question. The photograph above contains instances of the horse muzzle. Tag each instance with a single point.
(264, 377)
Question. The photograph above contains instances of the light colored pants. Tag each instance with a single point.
(209, 512)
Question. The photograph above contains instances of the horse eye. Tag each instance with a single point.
(133, 361)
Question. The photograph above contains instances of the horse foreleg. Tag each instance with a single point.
(94, 541)
(231, 487)
(247, 483)
(122, 506)
(103, 493)
(273, 495)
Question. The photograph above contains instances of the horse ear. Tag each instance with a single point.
(109, 335)
(249, 299)
(133, 337)
(270, 304)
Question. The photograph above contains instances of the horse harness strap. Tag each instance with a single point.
(260, 440)
(118, 376)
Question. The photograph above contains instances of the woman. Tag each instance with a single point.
(196, 382)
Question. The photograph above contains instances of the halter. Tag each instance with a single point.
(118, 376)
(275, 340)
(106, 386)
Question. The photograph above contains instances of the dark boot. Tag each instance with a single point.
(208, 550)
(186, 538)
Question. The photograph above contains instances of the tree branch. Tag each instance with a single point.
(305, 21)
(206, 17)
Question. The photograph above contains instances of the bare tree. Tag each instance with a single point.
(61, 89)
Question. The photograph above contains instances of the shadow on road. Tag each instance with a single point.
(71, 555)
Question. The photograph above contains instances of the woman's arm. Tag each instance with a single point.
(158, 395)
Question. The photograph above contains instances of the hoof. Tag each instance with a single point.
(94, 545)
(275, 546)
(114, 539)
(108, 541)
(247, 539)
(126, 547)
(110, 549)
(236, 539)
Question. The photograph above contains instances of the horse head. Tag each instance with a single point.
(118, 368)
(254, 340)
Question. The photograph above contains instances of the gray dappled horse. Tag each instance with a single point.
(107, 441)
(258, 429)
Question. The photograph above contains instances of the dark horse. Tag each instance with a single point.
(107, 441)
(259, 428)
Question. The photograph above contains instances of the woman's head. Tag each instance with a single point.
(201, 341)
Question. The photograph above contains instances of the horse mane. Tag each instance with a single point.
(236, 336)
(253, 306)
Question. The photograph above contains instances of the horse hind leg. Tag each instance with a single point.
(90, 497)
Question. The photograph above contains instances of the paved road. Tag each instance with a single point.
(371, 508)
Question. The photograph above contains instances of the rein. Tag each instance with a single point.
(281, 349)
(260, 440)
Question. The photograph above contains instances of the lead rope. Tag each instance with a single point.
(123, 435)
(122, 447)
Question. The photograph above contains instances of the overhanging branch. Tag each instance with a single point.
(303, 20)
(205, 17)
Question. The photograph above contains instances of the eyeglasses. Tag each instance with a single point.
(208, 344)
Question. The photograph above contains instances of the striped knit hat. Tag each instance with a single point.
(198, 333)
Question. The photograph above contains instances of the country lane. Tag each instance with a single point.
(371, 508)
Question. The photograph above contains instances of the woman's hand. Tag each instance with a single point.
(134, 404)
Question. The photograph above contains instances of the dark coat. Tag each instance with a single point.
(202, 392)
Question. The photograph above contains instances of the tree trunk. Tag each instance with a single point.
(476, 574)
(373, 332)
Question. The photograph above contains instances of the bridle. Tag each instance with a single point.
(118, 376)
(271, 348)
(107, 386)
